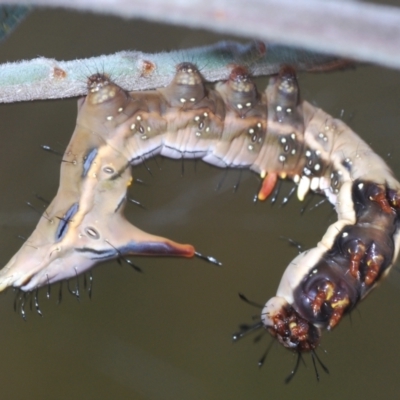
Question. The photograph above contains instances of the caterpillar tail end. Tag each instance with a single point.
(39, 263)
(130, 240)
(158, 247)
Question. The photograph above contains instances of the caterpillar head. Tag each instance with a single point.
(288, 327)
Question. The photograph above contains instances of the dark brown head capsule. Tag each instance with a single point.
(291, 330)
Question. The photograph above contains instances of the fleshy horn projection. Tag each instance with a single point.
(84, 224)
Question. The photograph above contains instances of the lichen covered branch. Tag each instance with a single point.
(43, 78)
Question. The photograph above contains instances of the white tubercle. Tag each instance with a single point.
(303, 188)
(314, 183)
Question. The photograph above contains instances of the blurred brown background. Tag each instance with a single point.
(166, 333)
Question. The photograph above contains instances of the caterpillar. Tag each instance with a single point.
(232, 126)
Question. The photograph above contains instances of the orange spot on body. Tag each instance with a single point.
(356, 255)
(337, 314)
(374, 263)
(381, 199)
(268, 185)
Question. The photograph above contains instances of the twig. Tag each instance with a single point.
(43, 78)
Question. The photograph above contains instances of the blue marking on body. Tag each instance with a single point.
(88, 161)
(63, 225)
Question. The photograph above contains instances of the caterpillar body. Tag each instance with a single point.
(234, 126)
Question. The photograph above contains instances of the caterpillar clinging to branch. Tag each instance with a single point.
(233, 126)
